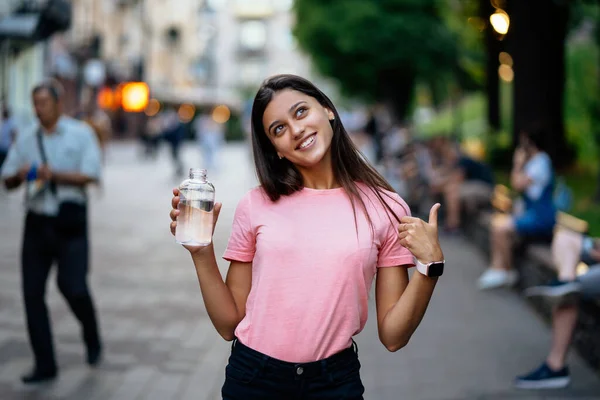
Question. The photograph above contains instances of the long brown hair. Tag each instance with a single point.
(279, 177)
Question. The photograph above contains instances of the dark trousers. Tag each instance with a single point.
(42, 246)
(251, 375)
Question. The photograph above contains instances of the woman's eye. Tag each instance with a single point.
(300, 111)
(278, 129)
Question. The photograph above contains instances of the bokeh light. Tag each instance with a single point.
(221, 114)
(505, 59)
(186, 112)
(500, 21)
(106, 98)
(506, 73)
(134, 96)
(153, 108)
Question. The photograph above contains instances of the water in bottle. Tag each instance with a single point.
(196, 204)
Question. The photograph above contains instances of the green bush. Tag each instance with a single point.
(234, 131)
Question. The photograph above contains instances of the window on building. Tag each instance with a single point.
(253, 35)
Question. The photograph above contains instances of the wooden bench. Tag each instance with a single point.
(536, 267)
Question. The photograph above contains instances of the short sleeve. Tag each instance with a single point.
(91, 161)
(539, 170)
(14, 160)
(242, 241)
(391, 252)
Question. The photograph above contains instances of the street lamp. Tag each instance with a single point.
(500, 21)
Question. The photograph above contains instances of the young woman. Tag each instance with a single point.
(304, 249)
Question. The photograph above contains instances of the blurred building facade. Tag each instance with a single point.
(25, 27)
(196, 51)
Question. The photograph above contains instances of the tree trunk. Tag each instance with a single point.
(536, 41)
(492, 49)
(396, 88)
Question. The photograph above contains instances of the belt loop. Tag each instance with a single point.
(355, 346)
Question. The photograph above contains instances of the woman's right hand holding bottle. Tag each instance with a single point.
(175, 212)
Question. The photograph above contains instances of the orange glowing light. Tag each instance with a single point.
(105, 98)
(506, 73)
(500, 21)
(186, 112)
(221, 114)
(153, 108)
(134, 96)
(505, 58)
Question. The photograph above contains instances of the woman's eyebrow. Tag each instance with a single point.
(291, 109)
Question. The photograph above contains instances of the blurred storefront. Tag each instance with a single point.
(25, 27)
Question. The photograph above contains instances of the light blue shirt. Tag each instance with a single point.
(539, 170)
(73, 147)
(6, 130)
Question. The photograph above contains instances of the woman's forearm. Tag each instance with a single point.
(402, 320)
(218, 300)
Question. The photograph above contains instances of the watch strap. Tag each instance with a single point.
(424, 268)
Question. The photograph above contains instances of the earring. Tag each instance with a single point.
(280, 156)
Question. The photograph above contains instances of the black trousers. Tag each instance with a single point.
(251, 375)
(43, 245)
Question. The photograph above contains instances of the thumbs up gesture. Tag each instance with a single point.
(421, 237)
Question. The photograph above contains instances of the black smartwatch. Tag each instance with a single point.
(432, 269)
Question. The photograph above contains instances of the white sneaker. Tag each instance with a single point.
(495, 278)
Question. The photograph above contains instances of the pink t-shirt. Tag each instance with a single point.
(311, 272)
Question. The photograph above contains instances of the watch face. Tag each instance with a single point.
(436, 269)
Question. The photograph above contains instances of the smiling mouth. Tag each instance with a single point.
(307, 142)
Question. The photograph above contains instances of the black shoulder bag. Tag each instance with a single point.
(72, 216)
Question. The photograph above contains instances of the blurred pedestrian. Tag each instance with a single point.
(210, 136)
(8, 133)
(464, 183)
(173, 133)
(62, 156)
(151, 137)
(304, 249)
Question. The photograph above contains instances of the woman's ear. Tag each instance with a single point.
(330, 114)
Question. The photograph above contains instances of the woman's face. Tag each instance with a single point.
(299, 128)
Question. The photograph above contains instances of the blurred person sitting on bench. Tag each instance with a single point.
(532, 175)
(464, 181)
(569, 248)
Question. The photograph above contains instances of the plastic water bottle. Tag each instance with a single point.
(196, 204)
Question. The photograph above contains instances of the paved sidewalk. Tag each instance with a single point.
(160, 343)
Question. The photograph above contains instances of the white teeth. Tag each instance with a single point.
(307, 142)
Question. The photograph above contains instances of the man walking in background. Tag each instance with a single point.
(57, 159)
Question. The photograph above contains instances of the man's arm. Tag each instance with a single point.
(14, 181)
(71, 179)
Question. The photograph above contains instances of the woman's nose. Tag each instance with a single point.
(297, 130)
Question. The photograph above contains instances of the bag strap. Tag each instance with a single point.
(44, 157)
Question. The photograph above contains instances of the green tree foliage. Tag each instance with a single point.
(377, 49)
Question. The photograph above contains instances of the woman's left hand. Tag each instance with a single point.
(421, 237)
